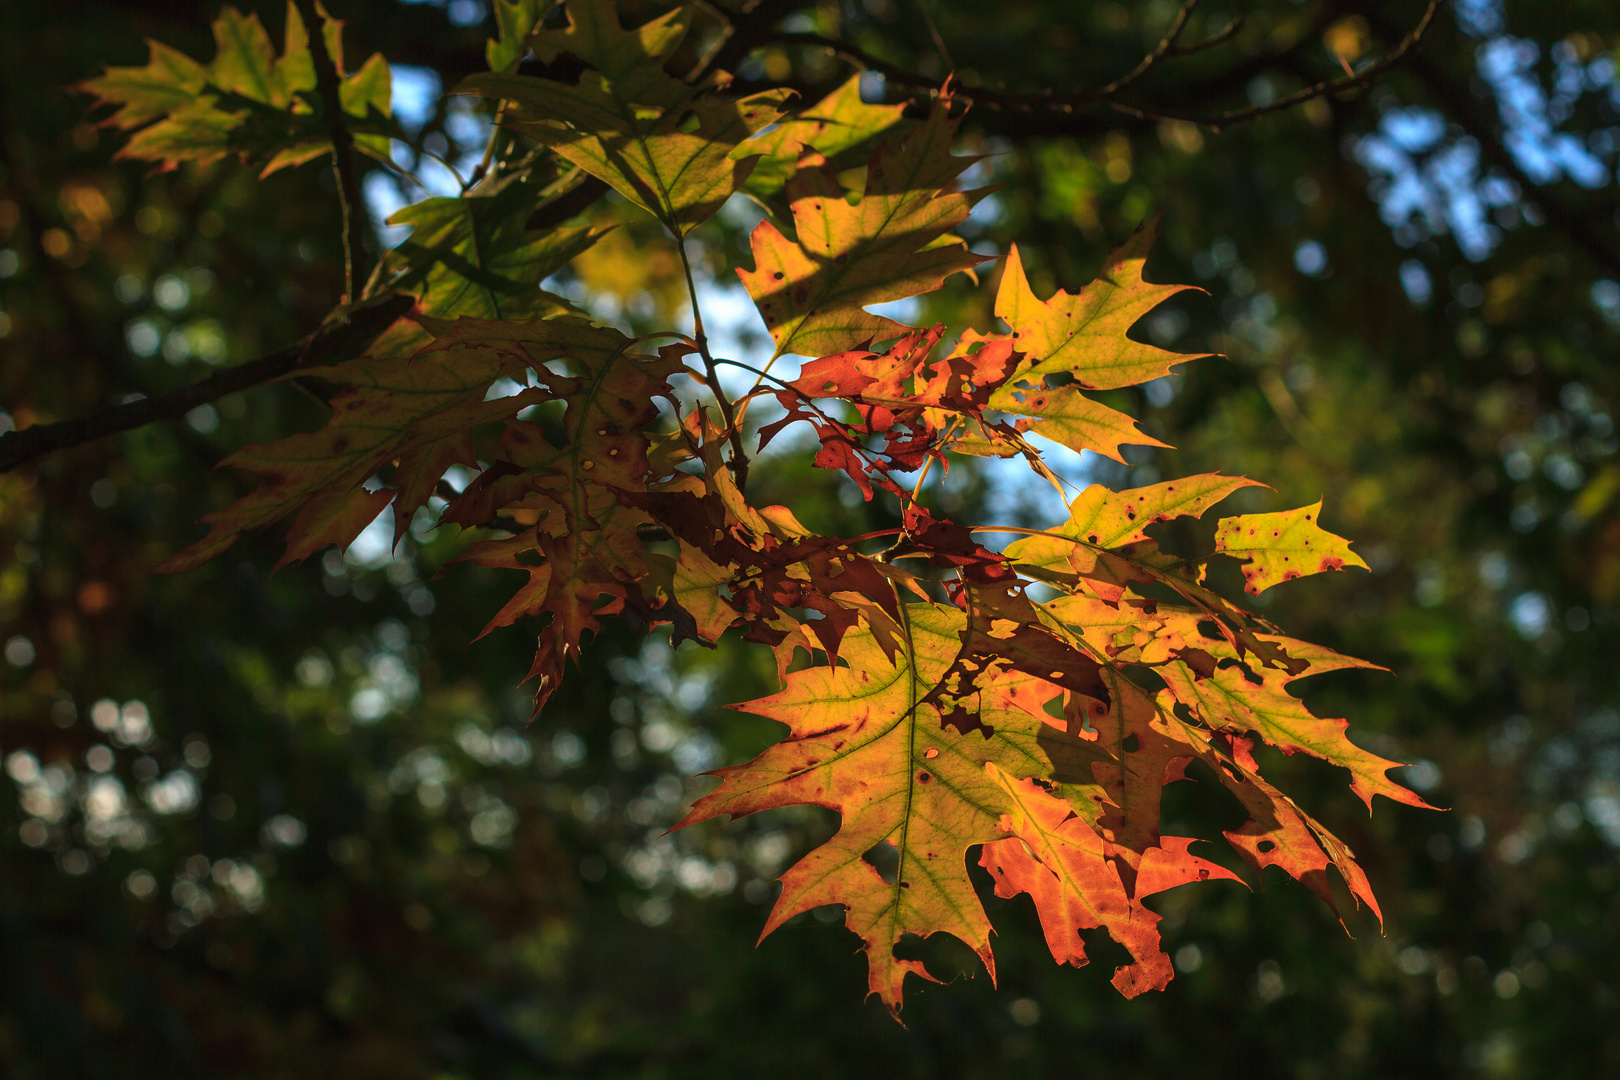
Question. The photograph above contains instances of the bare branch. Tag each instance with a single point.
(1149, 61)
(1220, 37)
(747, 32)
(326, 81)
(1107, 97)
(325, 345)
(1219, 121)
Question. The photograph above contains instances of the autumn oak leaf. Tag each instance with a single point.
(1283, 546)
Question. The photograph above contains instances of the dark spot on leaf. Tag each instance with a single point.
(1265, 845)
(923, 777)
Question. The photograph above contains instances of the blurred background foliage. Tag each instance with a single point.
(298, 825)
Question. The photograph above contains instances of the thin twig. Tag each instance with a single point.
(928, 461)
(328, 343)
(939, 39)
(1219, 37)
(489, 148)
(1152, 59)
(1325, 88)
(1107, 96)
(326, 82)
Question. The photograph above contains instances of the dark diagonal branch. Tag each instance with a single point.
(326, 82)
(333, 342)
(1325, 88)
(1108, 97)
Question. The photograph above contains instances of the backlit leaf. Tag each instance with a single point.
(474, 256)
(247, 101)
(1283, 546)
(661, 143)
(891, 244)
(1083, 334)
(837, 127)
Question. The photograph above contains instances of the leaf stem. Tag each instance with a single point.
(489, 148)
(928, 462)
(326, 81)
(739, 459)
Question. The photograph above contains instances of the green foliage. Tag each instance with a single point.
(247, 101)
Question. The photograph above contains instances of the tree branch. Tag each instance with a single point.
(750, 30)
(1107, 97)
(1219, 121)
(739, 457)
(1151, 60)
(352, 334)
(326, 82)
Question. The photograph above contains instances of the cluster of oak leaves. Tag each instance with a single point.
(993, 699)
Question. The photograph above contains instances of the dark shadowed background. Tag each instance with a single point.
(298, 825)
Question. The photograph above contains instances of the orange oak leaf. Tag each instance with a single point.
(863, 741)
(1099, 518)
(1061, 861)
